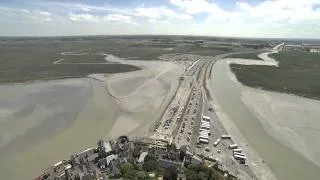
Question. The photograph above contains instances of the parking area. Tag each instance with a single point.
(186, 132)
(179, 109)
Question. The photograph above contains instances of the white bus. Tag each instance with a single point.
(204, 131)
(204, 141)
(237, 150)
(239, 154)
(225, 137)
(239, 157)
(205, 127)
(216, 142)
(204, 136)
(206, 118)
(205, 122)
(233, 146)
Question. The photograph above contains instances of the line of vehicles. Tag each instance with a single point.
(204, 131)
(237, 153)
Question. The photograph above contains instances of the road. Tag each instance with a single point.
(181, 122)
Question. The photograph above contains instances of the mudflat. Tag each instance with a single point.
(48, 121)
(45, 122)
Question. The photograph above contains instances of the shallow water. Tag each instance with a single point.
(44, 122)
(283, 161)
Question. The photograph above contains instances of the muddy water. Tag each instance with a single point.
(42, 123)
(284, 162)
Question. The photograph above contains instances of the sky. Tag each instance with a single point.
(234, 18)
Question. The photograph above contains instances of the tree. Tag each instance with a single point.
(195, 172)
(150, 157)
(191, 175)
(182, 155)
(142, 175)
(131, 174)
(126, 167)
(150, 165)
(170, 173)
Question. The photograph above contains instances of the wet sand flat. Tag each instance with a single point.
(142, 95)
(56, 128)
(292, 120)
(47, 122)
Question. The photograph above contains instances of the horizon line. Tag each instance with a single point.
(114, 35)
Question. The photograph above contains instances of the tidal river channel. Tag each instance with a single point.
(282, 160)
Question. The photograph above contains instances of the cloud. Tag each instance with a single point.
(84, 17)
(9, 9)
(198, 6)
(44, 13)
(66, 6)
(117, 17)
(85, 9)
(151, 20)
(161, 12)
(96, 18)
(18, 14)
(267, 11)
(282, 10)
(195, 17)
(41, 16)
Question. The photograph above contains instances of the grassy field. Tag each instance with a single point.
(24, 59)
(29, 60)
(246, 56)
(84, 58)
(298, 73)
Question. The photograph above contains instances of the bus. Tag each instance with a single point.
(205, 125)
(225, 137)
(206, 118)
(204, 141)
(233, 146)
(205, 128)
(205, 122)
(216, 142)
(239, 154)
(205, 136)
(240, 157)
(237, 150)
